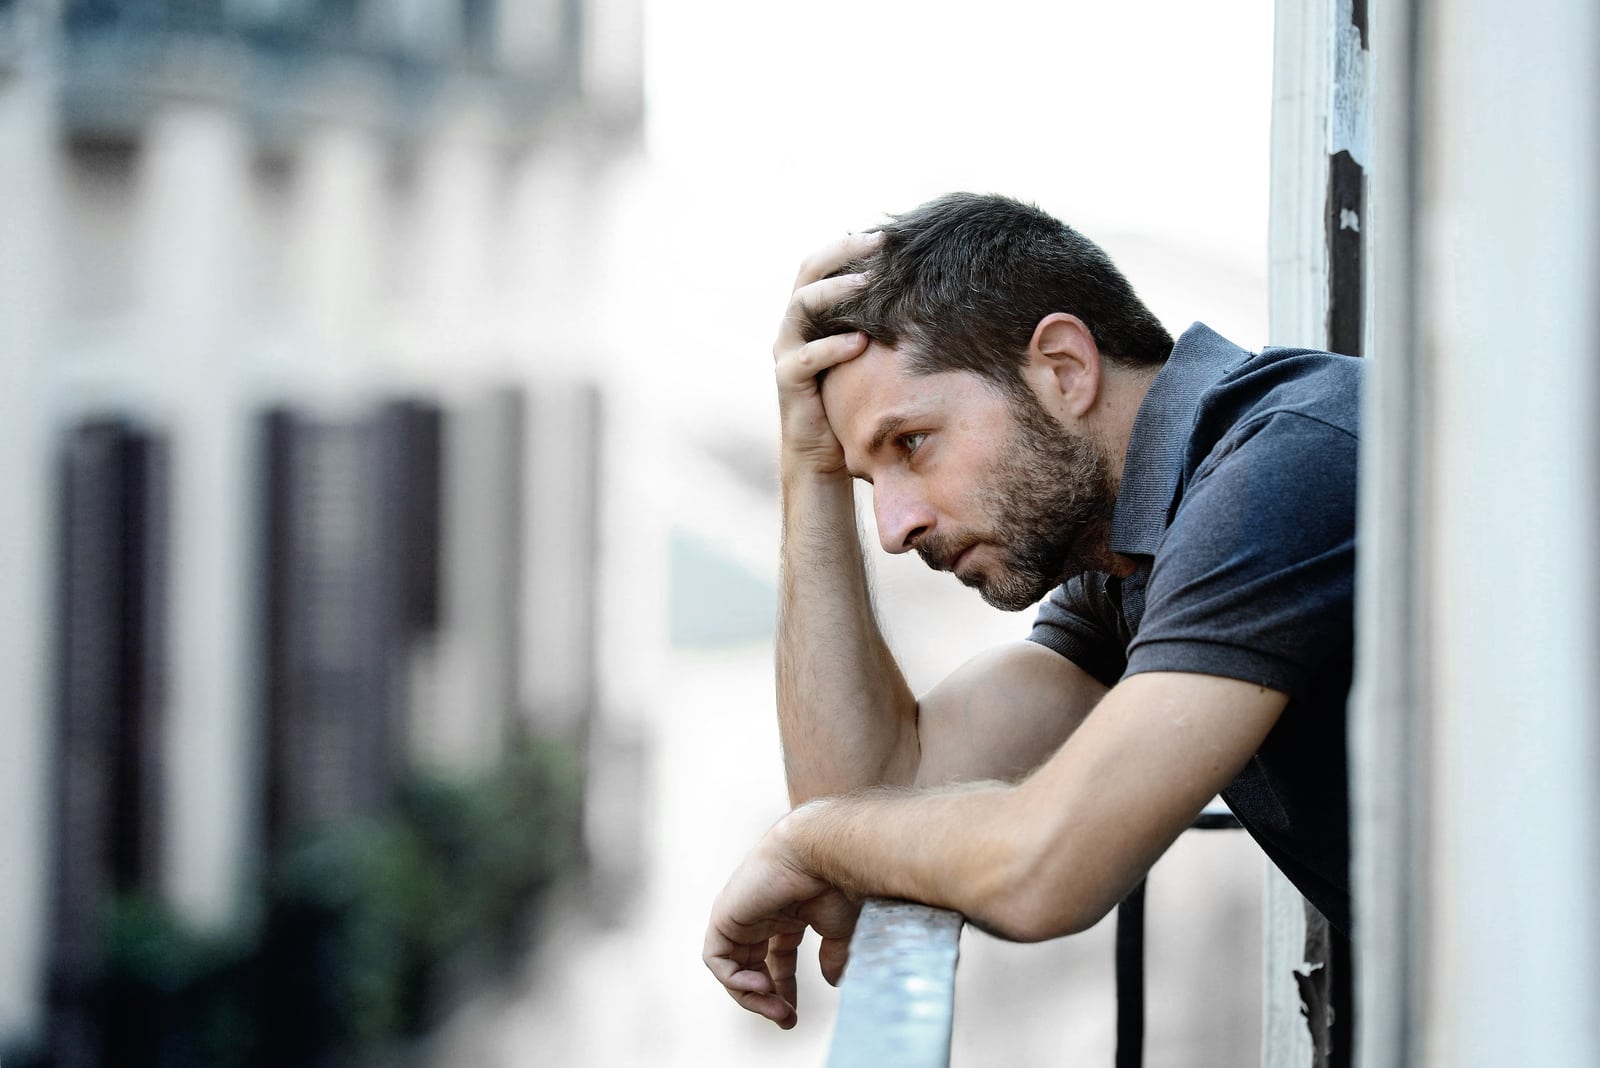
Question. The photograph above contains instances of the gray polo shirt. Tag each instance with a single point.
(1238, 500)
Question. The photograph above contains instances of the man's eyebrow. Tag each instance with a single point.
(889, 426)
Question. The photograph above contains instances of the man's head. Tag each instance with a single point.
(961, 283)
(991, 407)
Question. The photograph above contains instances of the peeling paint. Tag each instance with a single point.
(1349, 220)
(1347, 119)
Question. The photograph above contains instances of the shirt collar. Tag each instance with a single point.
(1160, 439)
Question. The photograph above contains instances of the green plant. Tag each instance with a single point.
(361, 923)
(376, 912)
(169, 995)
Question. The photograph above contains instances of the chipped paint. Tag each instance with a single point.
(1349, 220)
(1347, 119)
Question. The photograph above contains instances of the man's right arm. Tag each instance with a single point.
(846, 715)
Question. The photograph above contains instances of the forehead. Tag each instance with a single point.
(861, 394)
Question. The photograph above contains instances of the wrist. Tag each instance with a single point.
(790, 838)
(796, 475)
(814, 494)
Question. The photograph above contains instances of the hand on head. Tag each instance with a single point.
(797, 362)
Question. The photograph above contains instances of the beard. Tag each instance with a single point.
(1049, 507)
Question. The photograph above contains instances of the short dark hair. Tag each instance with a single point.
(960, 283)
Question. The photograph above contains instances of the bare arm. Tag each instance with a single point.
(1001, 714)
(1046, 857)
(848, 719)
(845, 713)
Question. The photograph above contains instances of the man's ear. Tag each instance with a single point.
(1064, 365)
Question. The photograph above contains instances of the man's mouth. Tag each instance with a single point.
(935, 558)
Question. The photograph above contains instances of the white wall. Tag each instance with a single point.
(1509, 247)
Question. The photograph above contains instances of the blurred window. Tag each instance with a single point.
(418, 27)
(528, 35)
(193, 12)
(268, 12)
(478, 29)
(339, 15)
(99, 231)
(84, 14)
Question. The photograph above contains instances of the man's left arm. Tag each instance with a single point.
(1046, 857)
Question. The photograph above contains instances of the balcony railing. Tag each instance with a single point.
(897, 1000)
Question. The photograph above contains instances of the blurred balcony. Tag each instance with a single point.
(389, 62)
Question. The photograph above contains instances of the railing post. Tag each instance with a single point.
(1130, 979)
(1216, 816)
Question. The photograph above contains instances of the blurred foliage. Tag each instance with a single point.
(16, 1053)
(168, 994)
(371, 930)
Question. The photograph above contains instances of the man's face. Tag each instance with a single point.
(990, 487)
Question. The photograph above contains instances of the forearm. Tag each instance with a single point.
(1054, 853)
(846, 716)
(964, 848)
(1046, 857)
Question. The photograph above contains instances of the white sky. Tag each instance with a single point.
(772, 129)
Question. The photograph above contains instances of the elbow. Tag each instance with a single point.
(1025, 914)
(1038, 896)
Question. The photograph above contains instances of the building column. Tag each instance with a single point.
(28, 279)
(194, 323)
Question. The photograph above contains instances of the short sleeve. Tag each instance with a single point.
(1081, 621)
(1254, 578)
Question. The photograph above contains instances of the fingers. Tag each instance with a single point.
(832, 957)
(740, 962)
(782, 964)
(748, 981)
(754, 990)
(808, 439)
(771, 1006)
(835, 254)
(800, 366)
(816, 296)
(823, 292)
(834, 916)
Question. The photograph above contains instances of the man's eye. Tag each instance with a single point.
(911, 442)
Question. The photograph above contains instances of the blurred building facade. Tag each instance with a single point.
(300, 467)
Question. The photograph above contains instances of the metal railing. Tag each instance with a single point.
(897, 1000)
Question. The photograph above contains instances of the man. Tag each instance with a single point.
(1028, 425)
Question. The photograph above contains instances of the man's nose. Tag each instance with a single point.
(903, 517)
